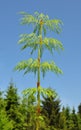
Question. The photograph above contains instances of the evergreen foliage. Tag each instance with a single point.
(52, 117)
(74, 121)
(51, 111)
(5, 123)
(79, 109)
(12, 106)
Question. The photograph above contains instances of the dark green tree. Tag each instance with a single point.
(5, 123)
(79, 109)
(12, 106)
(62, 119)
(73, 121)
(79, 116)
(51, 111)
(28, 110)
(67, 115)
(65, 118)
(2, 102)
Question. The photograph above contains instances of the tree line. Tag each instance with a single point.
(19, 112)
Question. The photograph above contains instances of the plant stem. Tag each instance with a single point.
(38, 81)
(38, 91)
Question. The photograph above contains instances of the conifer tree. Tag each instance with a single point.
(79, 109)
(63, 119)
(51, 110)
(67, 115)
(2, 102)
(79, 116)
(12, 106)
(73, 121)
(5, 123)
(28, 112)
(37, 40)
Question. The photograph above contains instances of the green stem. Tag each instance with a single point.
(38, 83)
(38, 92)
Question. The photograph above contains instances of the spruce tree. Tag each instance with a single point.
(79, 116)
(5, 123)
(2, 102)
(12, 106)
(28, 111)
(73, 121)
(65, 118)
(51, 111)
(79, 109)
(62, 119)
(67, 115)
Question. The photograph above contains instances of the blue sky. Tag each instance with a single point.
(68, 85)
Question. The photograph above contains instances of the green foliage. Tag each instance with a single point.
(51, 111)
(32, 65)
(48, 92)
(79, 116)
(5, 123)
(53, 25)
(28, 19)
(29, 40)
(2, 102)
(79, 109)
(46, 66)
(12, 106)
(32, 41)
(50, 118)
(28, 65)
(29, 111)
(43, 92)
(38, 41)
(30, 91)
(51, 43)
(11, 97)
(73, 121)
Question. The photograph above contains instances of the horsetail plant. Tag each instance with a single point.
(37, 40)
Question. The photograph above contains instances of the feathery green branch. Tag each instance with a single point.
(43, 91)
(32, 65)
(32, 41)
(53, 25)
